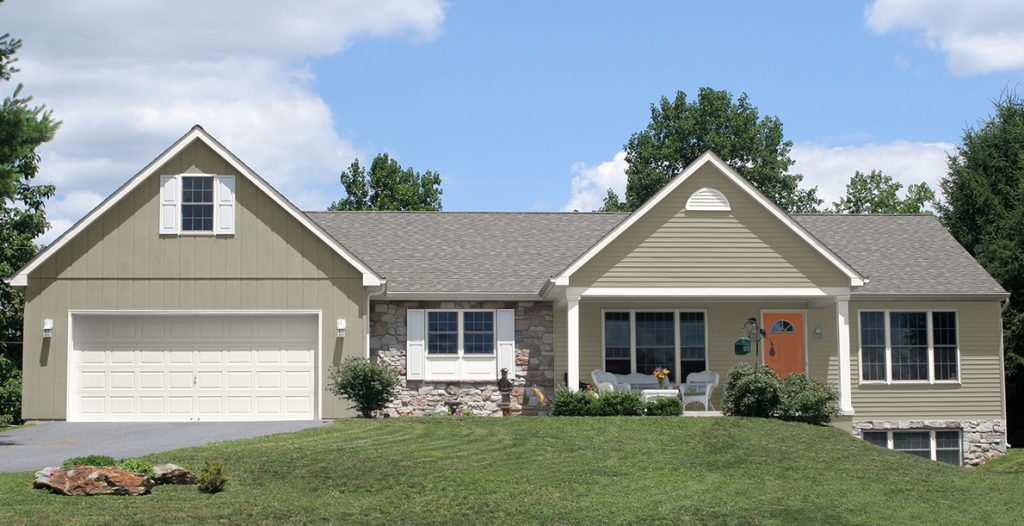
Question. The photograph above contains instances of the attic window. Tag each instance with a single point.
(708, 199)
(197, 204)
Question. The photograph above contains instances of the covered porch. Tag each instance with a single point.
(635, 333)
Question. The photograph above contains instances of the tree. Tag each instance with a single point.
(877, 193)
(388, 187)
(983, 208)
(680, 131)
(23, 128)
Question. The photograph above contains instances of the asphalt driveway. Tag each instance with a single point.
(49, 443)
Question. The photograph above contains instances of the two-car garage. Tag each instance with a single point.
(191, 366)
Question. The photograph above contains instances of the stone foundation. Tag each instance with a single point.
(982, 440)
(535, 358)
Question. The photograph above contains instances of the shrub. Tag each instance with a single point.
(136, 466)
(90, 460)
(807, 400)
(619, 403)
(369, 385)
(573, 403)
(10, 392)
(212, 478)
(664, 407)
(753, 391)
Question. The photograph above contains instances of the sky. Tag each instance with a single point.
(519, 105)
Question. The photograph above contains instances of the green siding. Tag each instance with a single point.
(745, 247)
(979, 394)
(120, 262)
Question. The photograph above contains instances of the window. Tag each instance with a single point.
(943, 446)
(642, 341)
(782, 326)
(692, 354)
(907, 346)
(616, 343)
(475, 337)
(197, 204)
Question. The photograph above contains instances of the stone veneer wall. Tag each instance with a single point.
(535, 358)
(982, 440)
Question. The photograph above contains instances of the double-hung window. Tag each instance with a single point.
(940, 445)
(908, 346)
(197, 204)
(642, 341)
(460, 333)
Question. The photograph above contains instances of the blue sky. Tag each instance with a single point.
(519, 105)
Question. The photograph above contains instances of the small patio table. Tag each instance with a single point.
(651, 394)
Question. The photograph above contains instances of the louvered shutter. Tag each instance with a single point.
(225, 204)
(506, 336)
(415, 343)
(168, 204)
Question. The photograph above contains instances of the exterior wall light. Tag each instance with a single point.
(341, 328)
(47, 328)
(817, 333)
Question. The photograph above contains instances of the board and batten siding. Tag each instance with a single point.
(120, 262)
(744, 247)
(978, 396)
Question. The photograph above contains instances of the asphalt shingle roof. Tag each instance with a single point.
(511, 252)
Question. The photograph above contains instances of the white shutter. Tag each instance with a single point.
(414, 344)
(506, 331)
(225, 204)
(168, 204)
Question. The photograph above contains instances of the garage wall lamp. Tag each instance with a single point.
(341, 328)
(47, 328)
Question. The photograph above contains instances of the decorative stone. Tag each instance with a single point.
(173, 474)
(92, 480)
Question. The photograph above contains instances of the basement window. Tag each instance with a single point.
(940, 445)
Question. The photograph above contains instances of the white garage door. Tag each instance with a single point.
(193, 368)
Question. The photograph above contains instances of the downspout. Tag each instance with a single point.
(1005, 304)
(379, 290)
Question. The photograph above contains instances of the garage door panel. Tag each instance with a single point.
(181, 368)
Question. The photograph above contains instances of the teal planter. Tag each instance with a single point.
(743, 346)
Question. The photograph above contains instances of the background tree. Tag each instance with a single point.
(984, 209)
(877, 193)
(23, 128)
(386, 186)
(680, 131)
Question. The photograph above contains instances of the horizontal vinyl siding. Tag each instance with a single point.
(980, 392)
(744, 247)
(120, 262)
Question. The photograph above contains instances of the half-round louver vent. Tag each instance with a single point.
(707, 199)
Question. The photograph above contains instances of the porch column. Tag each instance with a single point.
(573, 333)
(843, 328)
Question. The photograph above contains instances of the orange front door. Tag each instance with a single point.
(784, 342)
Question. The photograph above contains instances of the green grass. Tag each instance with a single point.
(551, 471)
(1012, 462)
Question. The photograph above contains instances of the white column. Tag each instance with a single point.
(573, 333)
(843, 340)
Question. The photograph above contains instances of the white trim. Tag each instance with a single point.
(460, 355)
(708, 292)
(573, 348)
(856, 280)
(932, 440)
(20, 278)
(843, 349)
(888, 349)
(708, 200)
(318, 361)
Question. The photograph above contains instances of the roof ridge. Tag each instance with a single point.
(466, 212)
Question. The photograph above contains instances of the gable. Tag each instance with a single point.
(126, 224)
(738, 243)
(124, 243)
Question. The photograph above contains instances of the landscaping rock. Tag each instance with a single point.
(173, 474)
(92, 480)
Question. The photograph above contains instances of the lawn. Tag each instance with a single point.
(525, 470)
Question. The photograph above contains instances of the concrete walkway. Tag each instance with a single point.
(49, 443)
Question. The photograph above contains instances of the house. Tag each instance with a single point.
(198, 292)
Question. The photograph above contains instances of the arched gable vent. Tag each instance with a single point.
(708, 199)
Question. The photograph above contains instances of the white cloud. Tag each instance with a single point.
(127, 78)
(978, 36)
(827, 167)
(830, 168)
(590, 184)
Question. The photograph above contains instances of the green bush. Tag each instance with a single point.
(10, 392)
(753, 391)
(90, 460)
(212, 478)
(370, 386)
(591, 403)
(807, 400)
(136, 466)
(664, 407)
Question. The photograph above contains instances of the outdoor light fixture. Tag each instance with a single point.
(341, 328)
(47, 328)
(817, 333)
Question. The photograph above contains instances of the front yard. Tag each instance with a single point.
(440, 470)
